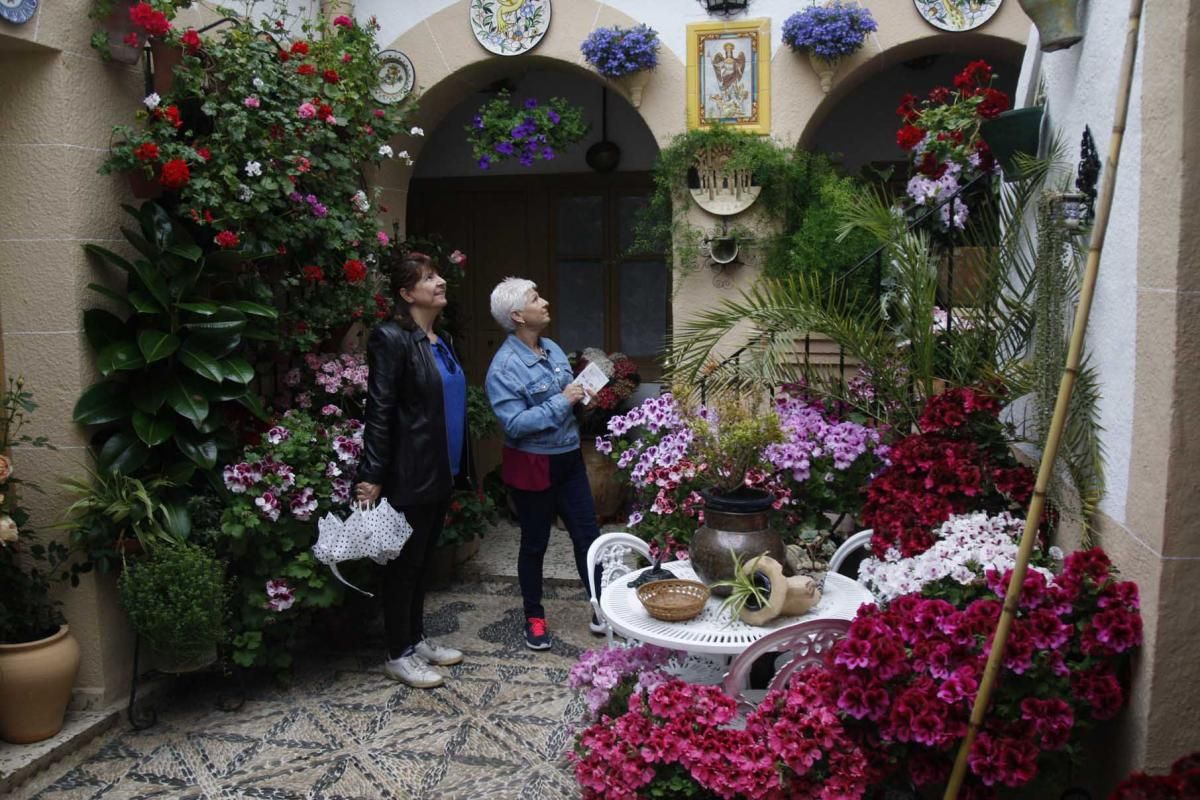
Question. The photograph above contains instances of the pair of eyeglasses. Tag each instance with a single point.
(447, 358)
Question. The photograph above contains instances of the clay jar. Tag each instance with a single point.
(737, 523)
(35, 686)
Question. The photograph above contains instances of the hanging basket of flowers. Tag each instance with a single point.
(624, 55)
(828, 34)
(528, 131)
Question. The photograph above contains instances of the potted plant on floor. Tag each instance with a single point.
(175, 599)
(38, 655)
(623, 55)
(623, 377)
(828, 33)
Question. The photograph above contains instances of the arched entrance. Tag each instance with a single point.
(560, 223)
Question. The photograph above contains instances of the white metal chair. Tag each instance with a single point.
(612, 551)
(852, 545)
(800, 645)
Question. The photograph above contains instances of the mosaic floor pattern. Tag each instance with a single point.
(497, 729)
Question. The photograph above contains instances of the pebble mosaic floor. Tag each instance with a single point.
(497, 729)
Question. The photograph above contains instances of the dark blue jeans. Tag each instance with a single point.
(570, 497)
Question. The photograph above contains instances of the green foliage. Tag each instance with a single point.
(175, 598)
(732, 444)
(504, 130)
(114, 513)
(480, 417)
(744, 587)
(173, 365)
(27, 566)
(471, 512)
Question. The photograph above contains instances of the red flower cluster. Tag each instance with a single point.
(354, 270)
(306, 69)
(227, 240)
(175, 174)
(959, 463)
(314, 274)
(383, 309)
(190, 40)
(1181, 783)
(155, 23)
(170, 114)
(146, 152)
(331, 76)
(794, 745)
(947, 121)
(299, 49)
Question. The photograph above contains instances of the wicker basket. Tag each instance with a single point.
(673, 600)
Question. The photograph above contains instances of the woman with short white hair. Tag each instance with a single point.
(532, 391)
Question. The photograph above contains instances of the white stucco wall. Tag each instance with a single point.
(1081, 86)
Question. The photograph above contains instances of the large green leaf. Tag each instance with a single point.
(180, 472)
(153, 430)
(148, 391)
(103, 328)
(225, 322)
(200, 362)
(137, 240)
(177, 521)
(202, 451)
(109, 256)
(143, 302)
(123, 452)
(150, 277)
(256, 309)
(103, 402)
(110, 294)
(119, 356)
(157, 345)
(229, 391)
(252, 404)
(203, 308)
(237, 370)
(188, 252)
(186, 402)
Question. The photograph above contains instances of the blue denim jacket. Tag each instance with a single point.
(525, 390)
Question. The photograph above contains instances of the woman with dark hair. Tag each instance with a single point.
(415, 451)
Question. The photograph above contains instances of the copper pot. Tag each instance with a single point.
(735, 524)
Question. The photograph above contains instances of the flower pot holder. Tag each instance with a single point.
(377, 533)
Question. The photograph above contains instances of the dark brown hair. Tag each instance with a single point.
(407, 275)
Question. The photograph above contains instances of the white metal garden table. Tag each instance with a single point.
(712, 632)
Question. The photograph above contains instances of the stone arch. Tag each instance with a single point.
(451, 66)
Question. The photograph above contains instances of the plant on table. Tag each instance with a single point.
(623, 380)
(609, 676)
(529, 131)
(941, 134)
(27, 567)
(175, 599)
(616, 52)
(262, 142)
(301, 467)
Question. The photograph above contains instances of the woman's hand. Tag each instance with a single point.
(573, 393)
(367, 492)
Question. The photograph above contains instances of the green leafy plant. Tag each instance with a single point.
(27, 567)
(174, 364)
(175, 599)
(480, 417)
(749, 588)
(471, 512)
(528, 132)
(146, 20)
(731, 441)
(115, 513)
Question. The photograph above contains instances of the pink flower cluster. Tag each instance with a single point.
(794, 745)
(280, 596)
(611, 674)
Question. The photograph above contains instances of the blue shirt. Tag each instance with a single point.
(454, 397)
(525, 390)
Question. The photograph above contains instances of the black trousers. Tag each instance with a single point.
(404, 577)
(570, 497)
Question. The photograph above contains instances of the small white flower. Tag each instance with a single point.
(403, 154)
(417, 131)
(152, 100)
(253, 169)
(258, 82)
(244, 193)
(385, 151)
(359, 199)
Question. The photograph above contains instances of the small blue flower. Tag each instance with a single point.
(504, 148)
(619, 51)
(478, 121)
(485, 162)
(531, 103)
(554, 117)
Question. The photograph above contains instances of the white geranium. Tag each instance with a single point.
(152, 100)
(258, 82)
(415, 131)
(385, 151)
(968, 546)
(253, 169)
(244, 193)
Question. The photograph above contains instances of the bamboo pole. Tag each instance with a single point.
(1066, 387)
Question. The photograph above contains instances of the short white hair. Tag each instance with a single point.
(510, 294)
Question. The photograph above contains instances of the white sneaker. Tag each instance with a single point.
(413, 671)
(436, 654)
(597, 627)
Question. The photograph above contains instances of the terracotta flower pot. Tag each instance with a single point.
(165, 58)
(143, 188)
(1057, 22)
(35, 686)
(735, 523)
(118, 25)
(607, 489)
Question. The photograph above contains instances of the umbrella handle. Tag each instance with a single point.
(334, 569)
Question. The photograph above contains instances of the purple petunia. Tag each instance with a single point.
(619, 51)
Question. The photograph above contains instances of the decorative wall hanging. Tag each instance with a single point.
(397, 76)
(18, 12)
(509, 27)
(957, 15)
(720, 190)
(729, 75)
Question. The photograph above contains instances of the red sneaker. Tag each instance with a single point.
(536, 635)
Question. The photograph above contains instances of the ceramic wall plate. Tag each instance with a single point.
(396, 77)
(957, 15)
(18, 12)
(509, 27)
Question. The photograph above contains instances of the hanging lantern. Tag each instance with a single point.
(726, 7)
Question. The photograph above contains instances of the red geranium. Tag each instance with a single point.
(354, 270)
(909, 136)
(343, 22)
(204, 153)
(153, 22)
(314, 274)
(171, 114)
(190, 40)
(146, 152)
(299, 48)
(306, 69)
(227, 240)
(975, 75)
(284, 55)
(994, 103)
(331, 76)
(175, 174)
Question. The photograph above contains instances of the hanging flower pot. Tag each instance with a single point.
(124, 42)
(825, 68)
(624, 56)
(1056, 21)
(1016, 131)
(828, 33)
(633, 85)
(142, 187)
(165, 57)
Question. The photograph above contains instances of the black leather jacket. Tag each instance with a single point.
(404, 441)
